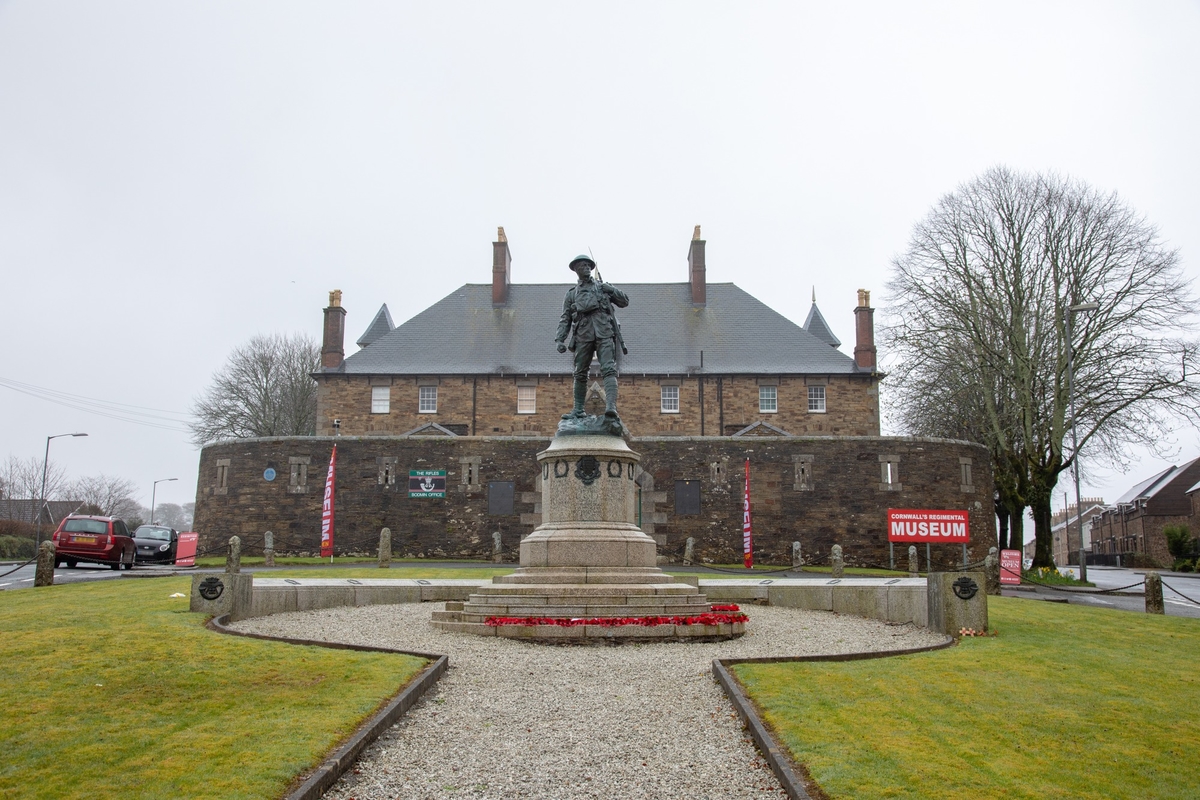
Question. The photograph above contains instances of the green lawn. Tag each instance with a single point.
(113, 689)
(1066, 702)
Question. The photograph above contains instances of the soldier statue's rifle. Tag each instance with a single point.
(612, 312)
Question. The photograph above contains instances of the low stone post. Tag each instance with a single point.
(268, 549)
(836, 561)
(1154, 600)
(991, 569)
(233, 559)
(913, 570)
(231, 592)
(44, 573)
(957, 602)
(385, 548)
(497, 548)
(689, 550)
(797, 562)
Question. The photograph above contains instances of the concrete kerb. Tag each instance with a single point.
(777, 756)
(336, 764)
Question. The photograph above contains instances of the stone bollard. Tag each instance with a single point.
(836, 561)
(1154, 600)
(44, 573)
(497, 548)
(913, 570)
(229, 593)
(268, 549)
(957, 602)
(689, 550)
(797, 562)
(991, 569)
(233, 559)
(385, 548)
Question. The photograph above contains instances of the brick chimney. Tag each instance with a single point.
(696, 269)
(333, 351)
(864, 332)
(501, 268)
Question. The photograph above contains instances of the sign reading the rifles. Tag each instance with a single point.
(936, 527)
(427, 483)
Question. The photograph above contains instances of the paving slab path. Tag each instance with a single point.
(514, 719)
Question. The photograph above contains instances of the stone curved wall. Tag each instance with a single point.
(819, 491)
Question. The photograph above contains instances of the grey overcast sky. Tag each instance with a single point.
(177, 177)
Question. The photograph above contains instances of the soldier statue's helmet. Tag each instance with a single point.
(579, 258)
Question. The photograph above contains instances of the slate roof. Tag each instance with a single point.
(25, 510)
(1147, 488)
(815, 324)
(380, 326)
(464, 334)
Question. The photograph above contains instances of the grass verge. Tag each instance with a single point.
(1052, 577)
(1066, 702)
(115, 690)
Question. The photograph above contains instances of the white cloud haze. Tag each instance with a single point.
(177, 177)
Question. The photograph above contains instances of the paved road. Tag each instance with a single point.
(23, 577)
(1177, 589)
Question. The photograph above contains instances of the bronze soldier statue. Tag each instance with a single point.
(589, 326)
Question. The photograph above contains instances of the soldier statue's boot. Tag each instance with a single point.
(580, 396)
(610, 397)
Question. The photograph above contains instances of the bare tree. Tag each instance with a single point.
(22, 479)
(106, 496)
(264, 389)
(982, 296)
(172, 515)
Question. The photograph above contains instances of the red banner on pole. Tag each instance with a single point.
(747, 536)
(327, 509)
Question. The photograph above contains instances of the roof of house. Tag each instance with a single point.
(1153, 485)
(25, 510)
(1089, 509)
(815, 324)
(380, 326)
(734, 333)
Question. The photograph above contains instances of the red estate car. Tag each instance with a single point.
(93, 540)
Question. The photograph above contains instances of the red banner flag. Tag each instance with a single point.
(327, 509)
(747, 537)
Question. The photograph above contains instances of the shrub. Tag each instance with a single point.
(1183, 565)
(16, 547)
(14, 527)
(1179, 540)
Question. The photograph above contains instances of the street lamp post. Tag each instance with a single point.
(37, 541)
(154, 492)
(1071, 311)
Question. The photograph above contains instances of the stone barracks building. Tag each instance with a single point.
(473, 387)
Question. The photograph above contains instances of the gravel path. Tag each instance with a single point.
(512, 719)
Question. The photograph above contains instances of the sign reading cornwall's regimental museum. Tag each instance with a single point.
(427, 483)
(923, 525)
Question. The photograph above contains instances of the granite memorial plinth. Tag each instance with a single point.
(587, 560)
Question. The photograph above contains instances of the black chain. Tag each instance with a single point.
(1181, 594)
(19, 566)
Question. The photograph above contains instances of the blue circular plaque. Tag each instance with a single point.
(269, 474)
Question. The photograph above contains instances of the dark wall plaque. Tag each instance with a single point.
(500, 497)
(687, 497)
